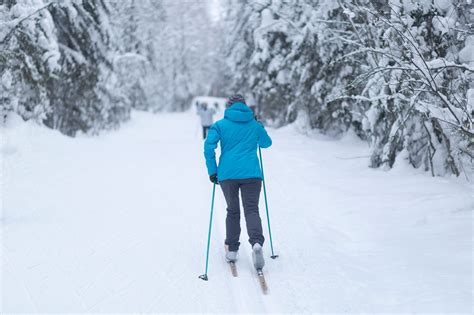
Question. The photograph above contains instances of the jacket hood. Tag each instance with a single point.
(239, 112)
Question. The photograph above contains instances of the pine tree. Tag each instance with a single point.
(389, 70)
(57, 65)
(80, 94)
(28, 58)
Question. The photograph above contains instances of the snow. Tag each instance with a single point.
(267, 18)
(6, 79)
(118, 223)
(47, 39)
(349, 13)
(283, 77)
(466, 54)
(443, 24)
(470, 100)
(413, 5)
(443, 5)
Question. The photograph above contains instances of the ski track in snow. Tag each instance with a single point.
(118, 223)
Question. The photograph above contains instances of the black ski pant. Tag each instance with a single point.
(205, 130)
(250, 191)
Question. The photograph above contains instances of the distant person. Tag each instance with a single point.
(216, 105)
(206, 115)
(239, 135)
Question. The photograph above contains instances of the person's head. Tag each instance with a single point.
(236, 98)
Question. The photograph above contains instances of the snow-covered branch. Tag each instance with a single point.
(11, 26)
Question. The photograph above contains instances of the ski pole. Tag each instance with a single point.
(273, 256)
(204, 276)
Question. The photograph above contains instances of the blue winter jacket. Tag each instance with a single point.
(240, 135)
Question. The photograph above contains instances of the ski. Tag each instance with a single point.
(233, 266)
(262, 281)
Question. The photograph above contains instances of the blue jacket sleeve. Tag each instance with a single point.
(210, 146)
(264, 140)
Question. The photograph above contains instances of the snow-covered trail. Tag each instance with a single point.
(118, 223)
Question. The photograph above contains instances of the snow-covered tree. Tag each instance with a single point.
(165, 55)
(397, 72)
(414, 82)
(57, 65)
(136, 33)
(83, 93)
(29, 57)
(82, 65)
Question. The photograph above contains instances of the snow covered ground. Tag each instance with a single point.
(118, 223)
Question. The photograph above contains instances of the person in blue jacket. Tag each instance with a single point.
(239, 135)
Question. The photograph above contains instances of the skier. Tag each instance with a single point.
(206, 115)
(239, 135)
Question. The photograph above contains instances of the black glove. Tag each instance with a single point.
(213, 179)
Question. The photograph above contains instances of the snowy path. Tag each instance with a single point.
(118, 223)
